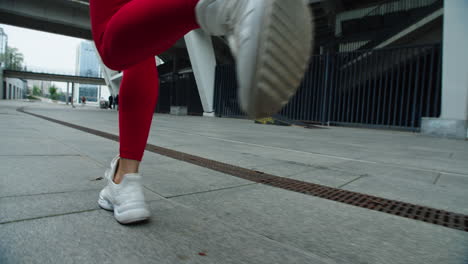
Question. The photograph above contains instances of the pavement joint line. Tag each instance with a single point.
(153, 191)
(100, 164)
(43, 194)
(81, 155)
(48, 216)
(316, 153)
(353, 180)
(403, 209)
(437, 178)
(210, 191)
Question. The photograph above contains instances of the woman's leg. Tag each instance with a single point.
(128, 32)
(138, 96)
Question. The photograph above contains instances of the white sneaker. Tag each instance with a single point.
(271, 41)
(125, 199)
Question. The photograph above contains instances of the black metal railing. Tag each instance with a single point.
(388, 88)
(391, 6)
(386, 19)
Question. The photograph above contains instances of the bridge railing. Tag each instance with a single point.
(45, 70)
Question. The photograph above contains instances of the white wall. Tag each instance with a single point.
(455, 61)
(15, 88)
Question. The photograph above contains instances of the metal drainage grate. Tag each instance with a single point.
(407, 210)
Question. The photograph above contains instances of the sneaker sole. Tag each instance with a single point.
(104, 204)
(126, 217)
(284, 49)
(132, 216)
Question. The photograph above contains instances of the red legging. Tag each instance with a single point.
(128, 34)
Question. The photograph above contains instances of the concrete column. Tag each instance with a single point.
(68, 92)
(202, 56)
(2, 89)
(73, 95)
(453, 119)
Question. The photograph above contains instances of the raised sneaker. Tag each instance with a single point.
(271, 41)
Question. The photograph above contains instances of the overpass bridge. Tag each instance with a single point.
(40, 76)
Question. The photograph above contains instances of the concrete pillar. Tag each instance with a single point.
(201, 52)
(68, 92)
(453, 119)
(2, 82)
(73, 95)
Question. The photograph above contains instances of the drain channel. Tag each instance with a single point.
(393, 207)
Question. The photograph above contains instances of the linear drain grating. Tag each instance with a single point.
(402, 209)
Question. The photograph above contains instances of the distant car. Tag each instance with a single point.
(104, 104)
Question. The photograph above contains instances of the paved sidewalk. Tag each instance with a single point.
(48, 193)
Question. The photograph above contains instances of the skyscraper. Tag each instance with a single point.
(87, 64)
(3, 44)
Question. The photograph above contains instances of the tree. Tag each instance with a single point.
(53, 93)
(12, 58)
(37, 91)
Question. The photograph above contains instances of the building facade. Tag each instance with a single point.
(14, 89)
(10, 88)
(3, 45)
(87, 64)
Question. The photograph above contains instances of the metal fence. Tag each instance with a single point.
(388, 88)
(383, 21)
(179, 90)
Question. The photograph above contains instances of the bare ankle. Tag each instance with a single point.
(125, 166)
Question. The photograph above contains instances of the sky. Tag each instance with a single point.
(44, 50)
(51, 52)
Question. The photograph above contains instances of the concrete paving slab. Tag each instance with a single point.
(103, 150)
(253, 151)
(179, 178)
(421, 161)
(225, 152)
(327, 177)
(176, 234)
(387, 171)
(342, 232)
(452, 181)
(276, 138)
(20, 132)
(431, 195)
(17, 208)
(22, 145)
(319, 172)
(45, 174)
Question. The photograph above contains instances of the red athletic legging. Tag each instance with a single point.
(128, 34)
